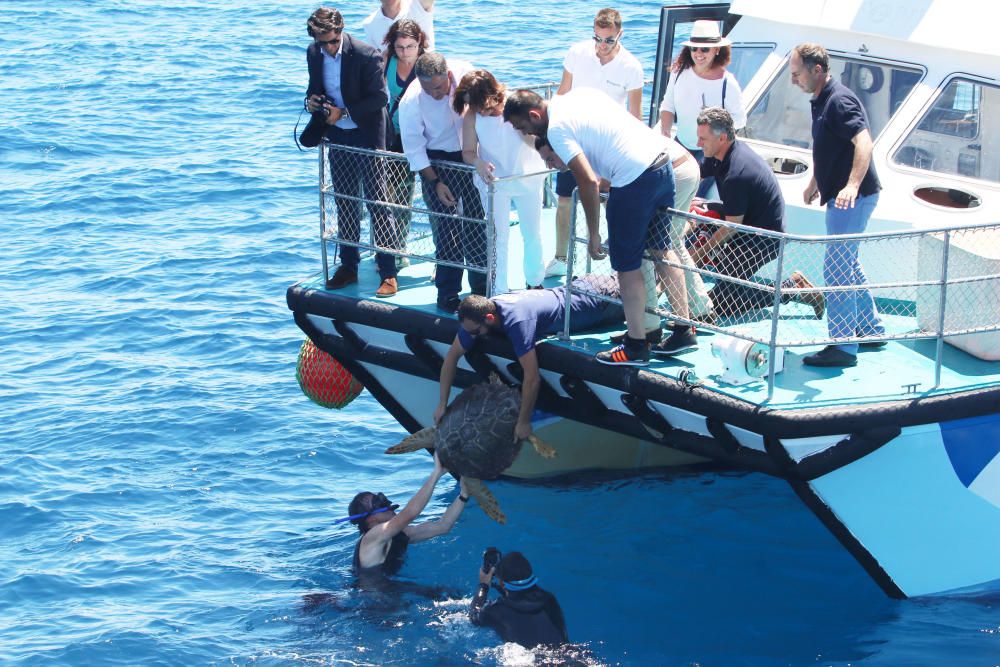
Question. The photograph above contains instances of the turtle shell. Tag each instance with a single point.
(475, 436)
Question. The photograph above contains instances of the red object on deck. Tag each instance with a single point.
(323, 379)
(705, 211)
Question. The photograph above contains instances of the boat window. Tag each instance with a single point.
(959, 135)
(746, 60)
(782, 114)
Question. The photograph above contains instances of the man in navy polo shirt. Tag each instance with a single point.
(843, 174)
(750, 196)
(524, 318)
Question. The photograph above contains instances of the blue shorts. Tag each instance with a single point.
(636, 220)
(565, 182)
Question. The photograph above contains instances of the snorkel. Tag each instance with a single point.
(377, 503)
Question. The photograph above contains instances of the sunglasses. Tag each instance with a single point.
(606, 40)
(700, 49)
(335, 40)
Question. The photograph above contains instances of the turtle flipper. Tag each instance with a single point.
(422, 439)
(544, 449)
(485, 499)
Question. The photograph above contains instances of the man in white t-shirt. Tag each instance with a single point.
(594, 135)
(377, 24)
(601, 62)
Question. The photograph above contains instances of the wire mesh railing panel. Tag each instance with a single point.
(375, 203)
(971, 278)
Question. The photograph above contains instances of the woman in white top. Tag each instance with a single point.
(498, 151)
(699, 79)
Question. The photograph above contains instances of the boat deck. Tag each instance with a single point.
(902, 370)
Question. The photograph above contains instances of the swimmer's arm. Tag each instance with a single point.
(529, 393)
(388, 530)
(448, 368)
(479, 600)
(429, 529)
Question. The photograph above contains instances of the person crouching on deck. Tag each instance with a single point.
(524, 317)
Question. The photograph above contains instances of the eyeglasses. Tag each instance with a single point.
(700, 49)
(606, 40)
(407, 47)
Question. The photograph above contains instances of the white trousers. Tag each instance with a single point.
(527, 197)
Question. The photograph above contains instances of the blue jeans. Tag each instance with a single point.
(849, 313)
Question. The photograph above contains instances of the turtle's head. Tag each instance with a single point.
(368, 509)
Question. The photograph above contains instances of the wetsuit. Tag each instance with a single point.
(393, 560)
(529, 618)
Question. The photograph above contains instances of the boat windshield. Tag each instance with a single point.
(781, 115)
(746, 60)
(956, 136)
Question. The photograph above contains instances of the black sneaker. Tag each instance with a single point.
(652, 337)
(683, 339)
(624, 355)
(449, 304)
(831, 356)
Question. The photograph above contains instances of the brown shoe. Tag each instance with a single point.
(814, 299)
(342, 278)
(387, 288)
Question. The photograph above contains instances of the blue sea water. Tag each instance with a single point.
(167, 492)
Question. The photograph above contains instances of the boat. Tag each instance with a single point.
(899, 456)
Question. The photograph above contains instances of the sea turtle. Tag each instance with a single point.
(475, 439)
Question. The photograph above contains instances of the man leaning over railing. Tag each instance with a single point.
(345, 80)
(432, 131)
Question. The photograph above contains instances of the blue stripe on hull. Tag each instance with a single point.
(972, 446)
(921, 507)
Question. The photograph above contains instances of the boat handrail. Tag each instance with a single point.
(939, 285)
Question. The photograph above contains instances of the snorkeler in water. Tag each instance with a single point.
(385, 534)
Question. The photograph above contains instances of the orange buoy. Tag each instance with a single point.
(323, 379)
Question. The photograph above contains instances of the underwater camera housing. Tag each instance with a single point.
(490, 558)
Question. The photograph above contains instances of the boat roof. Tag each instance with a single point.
(964, 25)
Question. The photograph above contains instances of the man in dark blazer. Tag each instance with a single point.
(346, 83)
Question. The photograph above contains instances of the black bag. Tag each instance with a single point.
(314, 131)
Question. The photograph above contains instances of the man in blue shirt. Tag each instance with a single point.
(843, 174)
(750, 196)
(525, 317)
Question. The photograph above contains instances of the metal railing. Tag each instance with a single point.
(781, 290)
(371, 202)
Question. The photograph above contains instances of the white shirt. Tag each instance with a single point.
(620, 75)
(618, 146)
(506, 148)
(426, 123)
(377, 24)
(687, 94)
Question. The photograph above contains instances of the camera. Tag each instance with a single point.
(323, 99)
(490, 558)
